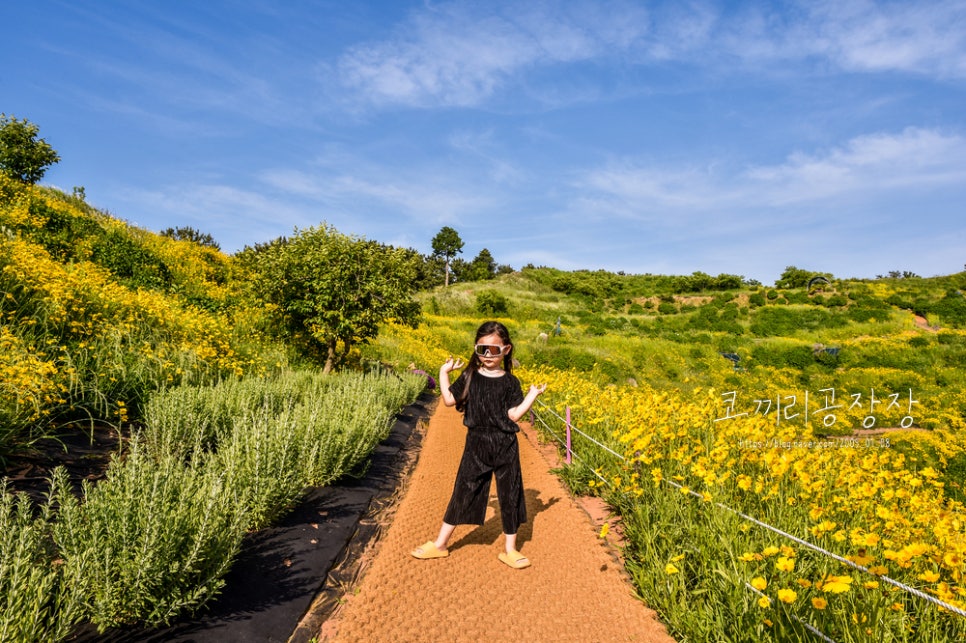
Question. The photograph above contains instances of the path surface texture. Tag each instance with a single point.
(575, 589)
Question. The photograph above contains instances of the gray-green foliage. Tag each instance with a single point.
(274, 438)
(156, 537)
(33, 596)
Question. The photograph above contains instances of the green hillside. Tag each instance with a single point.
(892, 335)
(95, 314)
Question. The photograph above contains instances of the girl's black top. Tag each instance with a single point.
(489, 400)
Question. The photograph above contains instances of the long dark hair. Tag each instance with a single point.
(486, 328)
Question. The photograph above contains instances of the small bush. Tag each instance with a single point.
(154, 538)
(490, 302)
(34, 603)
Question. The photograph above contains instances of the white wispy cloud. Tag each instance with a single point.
(367, 192)
(922, 37)
(236, 217)
(462, 54)
(868, 165)
(459, 54)
(874, 163)
(926, 37)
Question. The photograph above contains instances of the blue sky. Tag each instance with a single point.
(648, 137)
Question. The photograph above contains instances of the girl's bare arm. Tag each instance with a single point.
(448, 366)
(517, 412)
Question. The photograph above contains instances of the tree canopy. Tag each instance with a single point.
(23, 156)
(333, 291)
(482, 267)
(794, 277)
(187, 233)
(447, 244)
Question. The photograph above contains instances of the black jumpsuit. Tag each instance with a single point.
(491, 450)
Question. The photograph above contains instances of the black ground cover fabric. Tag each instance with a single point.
(288, 574)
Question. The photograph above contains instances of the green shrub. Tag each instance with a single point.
(154, 538)
(132, 263)
(798, 356)
(490, 302)
(35, 602)
(783, 321)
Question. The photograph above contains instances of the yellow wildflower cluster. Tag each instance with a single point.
(860, 500)
(69, 328)
(27, 385)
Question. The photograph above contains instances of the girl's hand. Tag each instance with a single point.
(537, 390)
(450, 365)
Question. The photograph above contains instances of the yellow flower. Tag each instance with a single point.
(929, 577)
(764, 602)
(770, 551)
(677, 558)
(759, 583)
(787, 595)
(784, 564)
(603, 530)
(803, 582)
(837, 584)
(819, 603)
(952, 559)
(671, 569)
(879, 570)
(871, 584)
(861, 560)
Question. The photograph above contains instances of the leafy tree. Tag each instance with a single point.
(490, 302)
(331, 289)
(188, 233)
(23, 156)
(482, 267)
(447, 244)
(798, 278)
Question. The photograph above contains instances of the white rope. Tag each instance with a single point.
(572, 454)
(846, 561)
(576, 430)
(808, 626)
(804, 543)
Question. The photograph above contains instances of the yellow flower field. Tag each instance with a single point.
(875, 501)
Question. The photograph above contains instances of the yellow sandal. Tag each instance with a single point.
(429, 550)
(515, 559)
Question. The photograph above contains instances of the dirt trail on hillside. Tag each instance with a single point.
(575, 590)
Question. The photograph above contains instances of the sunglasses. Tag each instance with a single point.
(490, 349)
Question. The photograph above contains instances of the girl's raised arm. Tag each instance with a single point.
(448, 366)
(517, 412)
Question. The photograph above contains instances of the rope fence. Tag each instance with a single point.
(566, 441)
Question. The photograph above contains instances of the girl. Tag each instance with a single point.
(492, 402)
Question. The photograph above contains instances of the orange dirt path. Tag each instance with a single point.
(575, 590)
